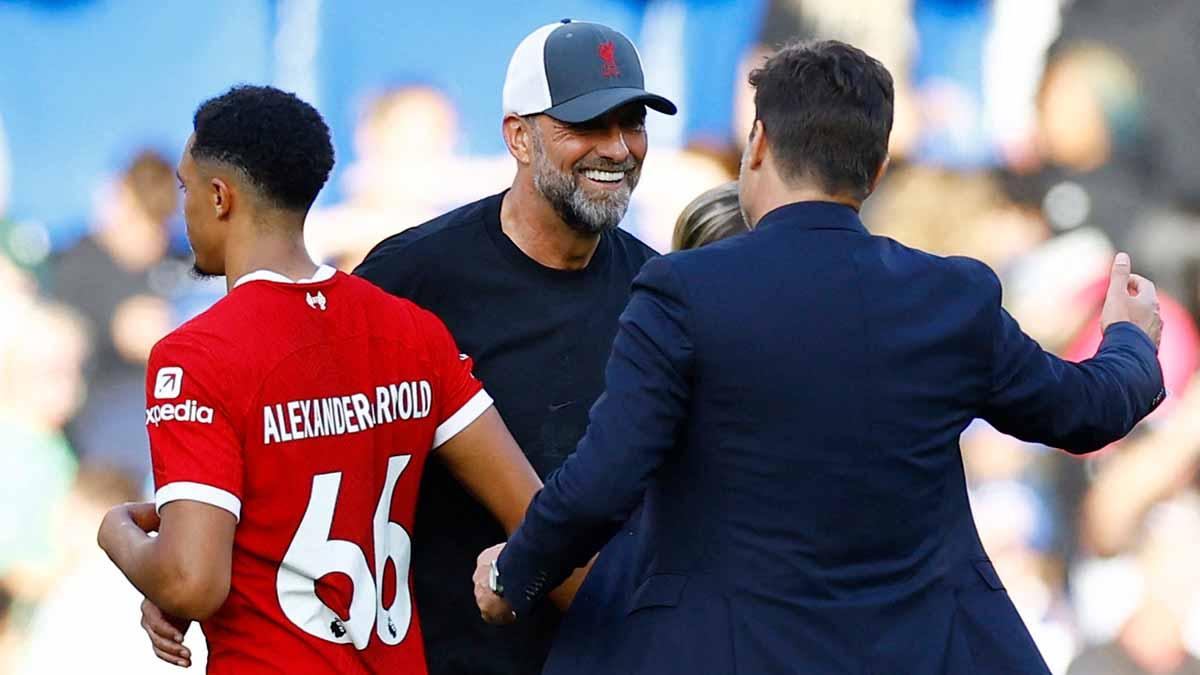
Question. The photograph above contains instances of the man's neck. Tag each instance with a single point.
(784, 195)
(536, 228)
(279, 249)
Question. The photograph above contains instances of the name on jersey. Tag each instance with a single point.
(337, 415)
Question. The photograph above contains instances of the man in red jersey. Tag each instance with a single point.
(290, 423)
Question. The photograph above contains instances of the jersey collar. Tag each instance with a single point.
(323, 273)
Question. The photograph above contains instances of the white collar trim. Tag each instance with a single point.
(323, 273)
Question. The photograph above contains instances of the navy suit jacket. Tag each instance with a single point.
(788, 404)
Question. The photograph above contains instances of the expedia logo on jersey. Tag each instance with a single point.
(168, 383)
(188, 411)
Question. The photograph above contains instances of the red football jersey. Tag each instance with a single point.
(308, 410)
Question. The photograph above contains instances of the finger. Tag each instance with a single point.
(145, 515)
(173, 660)
(165, 644)
(1121, 268)
(504, 616)
(1141, 287)
(164, 639)
(160, 626)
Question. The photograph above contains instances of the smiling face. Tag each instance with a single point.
(587, 171)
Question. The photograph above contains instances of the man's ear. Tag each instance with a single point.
(883, 167)
(757, 146)
(517, 137)
(221, 195)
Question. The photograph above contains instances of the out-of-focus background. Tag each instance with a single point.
(1036, 135)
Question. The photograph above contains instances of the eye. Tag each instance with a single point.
(635, 121)
(586, 127)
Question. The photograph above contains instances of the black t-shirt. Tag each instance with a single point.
(540, 338)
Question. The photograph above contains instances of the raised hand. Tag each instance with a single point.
(1131, 298)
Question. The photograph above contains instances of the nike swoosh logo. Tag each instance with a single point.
(555, 407)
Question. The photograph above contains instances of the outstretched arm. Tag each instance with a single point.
(632, 429)
(1081, 407)
(485, 459)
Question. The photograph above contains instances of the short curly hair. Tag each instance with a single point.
(827, 110)
(277, 141)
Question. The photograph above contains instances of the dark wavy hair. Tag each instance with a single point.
(827, 110)
(278, 142)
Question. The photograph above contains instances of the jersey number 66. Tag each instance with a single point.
(312, 555)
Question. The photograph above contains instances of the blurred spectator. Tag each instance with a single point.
(115, 643)
(1016, 528)
(1159, 466)
(1147, 194)
(405, 171)
(1014, 57)
(882, 28)
(669, 182)
(1157, 42)
(1151, 639)
(10, 640)
(1091, 135)
(119, 278)
(713, 216)
(954, 213)
(41, 386)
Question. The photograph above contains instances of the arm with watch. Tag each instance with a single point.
(632, 431)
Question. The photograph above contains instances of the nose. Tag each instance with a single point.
(612, 145)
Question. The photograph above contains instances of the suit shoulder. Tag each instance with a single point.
(971, 273)
(698, 260)
(977, 276)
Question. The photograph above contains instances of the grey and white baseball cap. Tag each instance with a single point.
(575, 71)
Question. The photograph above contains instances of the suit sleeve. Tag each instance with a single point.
(1079, 407)
(195, 449)
(632, 428)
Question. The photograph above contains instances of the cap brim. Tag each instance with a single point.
(596, 103)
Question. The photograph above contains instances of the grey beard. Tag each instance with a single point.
(580, 212)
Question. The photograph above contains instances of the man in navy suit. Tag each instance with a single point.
(788, 404)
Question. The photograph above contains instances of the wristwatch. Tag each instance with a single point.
(494, 580)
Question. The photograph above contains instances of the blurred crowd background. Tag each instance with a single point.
(1037, 135)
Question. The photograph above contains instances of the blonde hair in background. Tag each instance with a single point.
(712, 216)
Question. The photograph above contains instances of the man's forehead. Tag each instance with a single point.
(185, 157)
